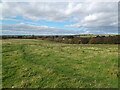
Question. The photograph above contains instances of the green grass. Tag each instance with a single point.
(44, 64)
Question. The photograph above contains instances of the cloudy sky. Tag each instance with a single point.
(59, 18)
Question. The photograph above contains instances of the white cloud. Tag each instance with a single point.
(57, 11)
(97, 20)
(91, 17)
(60, 0)
(85, 14)
(23, 28)
(9, 19)
(26, 29)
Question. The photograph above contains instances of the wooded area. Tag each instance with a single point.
(72, 39)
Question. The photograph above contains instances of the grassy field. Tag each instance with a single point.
(43, 64)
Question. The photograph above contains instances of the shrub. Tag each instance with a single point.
(92, 41)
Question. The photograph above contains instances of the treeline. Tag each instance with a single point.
(85, 40)
(18, 37)
(73, 39)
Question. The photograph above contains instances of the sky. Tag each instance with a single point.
(59, 18)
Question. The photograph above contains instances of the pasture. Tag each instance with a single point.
(32, 63)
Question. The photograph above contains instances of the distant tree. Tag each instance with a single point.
(85, 40)
(33, 36)
(20, 37)
(66, 41)
(97, 36)
(99, 40)
(93, 41)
